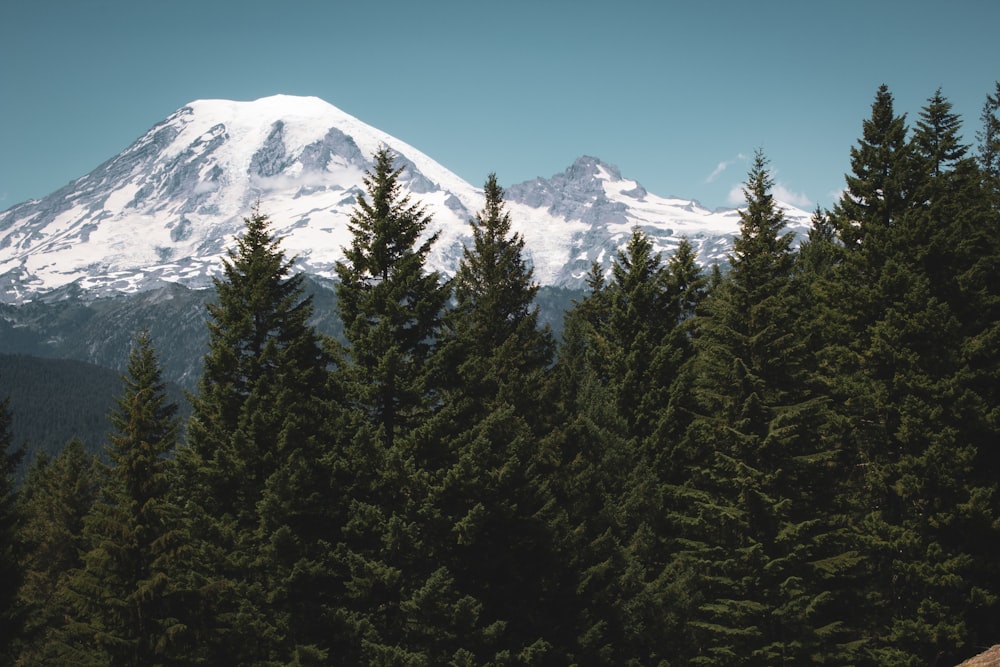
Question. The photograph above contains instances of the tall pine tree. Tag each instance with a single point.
(495, 534)
(391, 307)
(755, 531)
(56, 497)
(257, 415)
(130, 603)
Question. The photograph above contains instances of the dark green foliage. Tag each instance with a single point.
(880, 182)
(391, 308)
(935, 139)
(756, 528)
(11, 570)
(263, 358)
(53, 401)
(623, 394)
(915, 404)
(989, 145)
(497, 541)
(790, 461)
(57, 494)
(129, 606)
(255, 417)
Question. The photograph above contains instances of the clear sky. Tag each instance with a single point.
(676, 93)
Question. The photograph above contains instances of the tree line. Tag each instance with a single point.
(791, 461)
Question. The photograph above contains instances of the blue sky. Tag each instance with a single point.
(677, 94)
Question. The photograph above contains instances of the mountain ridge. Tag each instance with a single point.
(166, 208)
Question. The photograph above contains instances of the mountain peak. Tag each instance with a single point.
(167, 207)
(587, 167)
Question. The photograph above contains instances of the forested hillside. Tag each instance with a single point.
(790, 461)
(53, 401)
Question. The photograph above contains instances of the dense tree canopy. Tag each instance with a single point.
(788, 459)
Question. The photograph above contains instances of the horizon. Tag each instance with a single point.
(677, 97)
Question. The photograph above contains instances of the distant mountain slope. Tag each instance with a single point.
(70, 323)
(55, 400)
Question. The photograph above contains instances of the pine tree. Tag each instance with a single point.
(642, 314)
(936, 140)
(494, 535)
(989, 144)
(56, 496)
(11, 572)
(753, 528)
(257, 413)
(130, 606)
(880, 183)
(932, 293)
(494, 322)
(263, 356)
(391, 308)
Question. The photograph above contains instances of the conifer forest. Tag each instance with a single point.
(792, 459)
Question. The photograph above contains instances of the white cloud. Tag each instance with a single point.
(780, 191)
(735, 196)
(725, 164)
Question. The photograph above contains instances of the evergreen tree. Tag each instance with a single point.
(493, 329)
(56, 496)
(391, 308)
(933, 293)
(11, 572)
(688, 287)
(494, 535)
(640, 317)
(257, 413)
(989, 143)
(659, 482)
(130, 606)
(936, 139)
(910, 305)
(263, 356)
(754, 529)
(880, 183)
(589, 485)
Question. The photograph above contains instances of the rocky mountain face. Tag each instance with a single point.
(165, 209)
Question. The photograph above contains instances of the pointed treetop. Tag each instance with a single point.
(936, 137)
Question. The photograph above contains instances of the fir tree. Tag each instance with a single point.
(495, 537)
(936, 140)
(391, 308)
(641, 315)
(753, 528)
(909, 306)
(56, 496)
(880, 184)
(257, 413)
(130, 608)
(931, 296)
(988, 137)
(263, 356)
(11, 571)
(494, 332)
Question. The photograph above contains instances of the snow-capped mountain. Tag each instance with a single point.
(167, 207)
